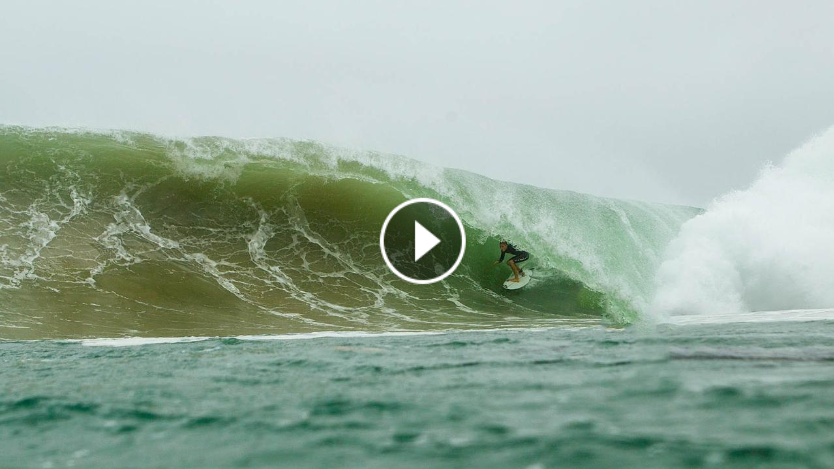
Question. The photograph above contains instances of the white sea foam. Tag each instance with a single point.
(769, 247)
(134, 341)
(796, 315)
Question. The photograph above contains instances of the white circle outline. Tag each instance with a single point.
(385, 227)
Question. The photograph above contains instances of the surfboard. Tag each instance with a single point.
(521, 281)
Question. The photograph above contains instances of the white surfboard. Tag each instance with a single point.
(522, 280)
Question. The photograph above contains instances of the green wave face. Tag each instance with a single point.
(118, 233)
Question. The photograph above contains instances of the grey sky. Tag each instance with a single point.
(663, 101)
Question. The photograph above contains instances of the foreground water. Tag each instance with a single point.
(725, 395)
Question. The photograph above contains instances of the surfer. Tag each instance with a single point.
(518, 257)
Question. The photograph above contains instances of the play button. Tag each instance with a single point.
(422, 241)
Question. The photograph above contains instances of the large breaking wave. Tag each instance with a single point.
(122, 233)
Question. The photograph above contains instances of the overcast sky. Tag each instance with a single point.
(655, 100)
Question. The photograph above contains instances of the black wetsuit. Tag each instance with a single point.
(519, 256)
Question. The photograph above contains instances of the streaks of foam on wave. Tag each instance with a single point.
(38, 228)
(256, 245)
(129, 219)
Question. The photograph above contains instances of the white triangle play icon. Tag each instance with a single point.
(424, 241)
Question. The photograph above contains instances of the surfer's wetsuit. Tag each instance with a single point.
(519, 256)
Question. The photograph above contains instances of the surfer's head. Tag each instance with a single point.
(503, 245)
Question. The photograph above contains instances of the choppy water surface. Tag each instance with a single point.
(725, 395)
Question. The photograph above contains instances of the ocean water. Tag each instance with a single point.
(730, 395)
(210, 302)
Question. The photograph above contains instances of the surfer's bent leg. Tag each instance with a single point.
(515, 270)
(518, 259)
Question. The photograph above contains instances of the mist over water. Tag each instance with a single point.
(767, 247)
